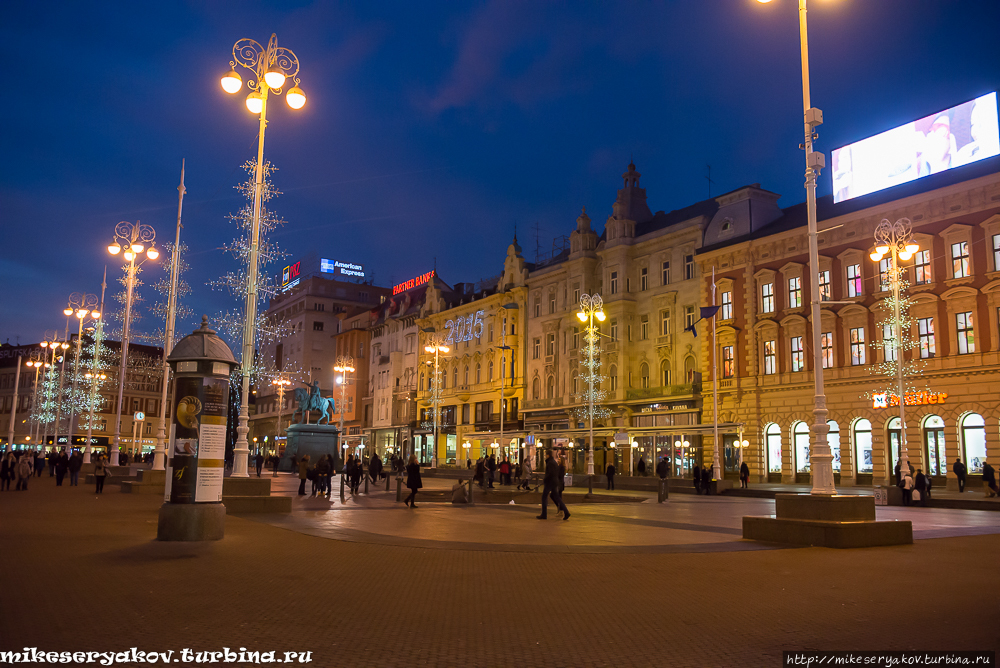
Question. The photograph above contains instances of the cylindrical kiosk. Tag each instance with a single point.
(201, 363)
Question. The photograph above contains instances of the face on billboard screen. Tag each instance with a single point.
(950, 138)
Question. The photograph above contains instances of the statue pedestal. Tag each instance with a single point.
(315, 440)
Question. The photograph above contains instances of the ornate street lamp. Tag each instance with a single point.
(270, 67)
(55, 346)
(437, 349)
(281, 384)
(82, 306)
(344, 366)
(591, 308)
(131, 241)
(896, 241)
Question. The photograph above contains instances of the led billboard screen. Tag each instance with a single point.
(950, 138)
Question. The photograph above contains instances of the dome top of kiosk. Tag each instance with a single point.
(202, 344)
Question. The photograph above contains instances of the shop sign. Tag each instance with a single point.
(886, 400)
(413, 282)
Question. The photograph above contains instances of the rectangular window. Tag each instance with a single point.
(536, 348)
(922, 267)
(689, 267)
(576, 295)
(552, 302)
(960, 259)
(550, 344)
(826, 347)
(925, 329)
(643, 278)
(858, 346)
(966, 340)
(614, 282)
(614, 329)
(538, 307)
(628, 332)
(666, 272)
(726, 312)
(883, 274)
(770, 358)
(644, 327)
(767, 298)
(576, 338)
(798, 355)
(317, 326)
(664, 323)
(854, 286)
(825, 289)
(728, 362)
(795, 292)
(689, 316)
(889, 342)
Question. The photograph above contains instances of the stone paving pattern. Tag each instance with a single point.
(83, 572)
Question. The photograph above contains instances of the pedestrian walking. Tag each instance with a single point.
(39, 462)
(259, 462)
(75, 464)
(959, 468)
(696, 473)
(662, 468)
(525, 474)
(100, 474)
(706, 480)
(505, 472)
(551, 487)
(899, 474)
(989, 480)
(920, 487)
(641, 466)
(62, 466)
(744, 475)
(375, 468)
(610, 474)
(51, 461)
(303, 474)
(24, 471)
(491, 469)
(8, 471)
(322, 476)
(480, 474)
(907, 486)
(413, 481)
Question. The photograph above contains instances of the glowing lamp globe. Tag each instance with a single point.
(138, 248)
(600, 316)
(95, 315)
(582, 316)
(129, 255)
(905, 255)
(295, 98)
(115, 249)
(231, 81)
(67, 311)
(255, 103)
(274, 77)
(912, 247)
(152, 253)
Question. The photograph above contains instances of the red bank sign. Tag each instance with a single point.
(413, 282)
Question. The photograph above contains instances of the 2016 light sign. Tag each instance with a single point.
(465, 328)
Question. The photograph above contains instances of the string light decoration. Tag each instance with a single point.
(162, 287)
(591, 309)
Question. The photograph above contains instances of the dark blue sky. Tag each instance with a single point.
(432, 129)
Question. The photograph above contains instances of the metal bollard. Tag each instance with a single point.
(399, 489)
(470, 492)
(663, 491)
(366, 483)
(342, 487)
(387, 478)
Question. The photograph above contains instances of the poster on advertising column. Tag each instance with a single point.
(199, 444)
(212, 440)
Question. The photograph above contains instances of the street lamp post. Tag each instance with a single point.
(821, 458)
(503, 365)
(13, 406)
(896, 241)
(94, 376)
(36, 362)
(80, 305)
(159, 458)
(344, 366)
(130, 241)
(591, 307)
(437, 349)
(54, 345)
(282, 383)
(270, 66)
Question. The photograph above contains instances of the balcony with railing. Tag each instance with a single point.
(663, 392)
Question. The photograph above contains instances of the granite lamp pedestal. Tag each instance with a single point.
(841, 521)
(315, 440)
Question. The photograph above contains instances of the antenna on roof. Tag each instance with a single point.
(710, 181)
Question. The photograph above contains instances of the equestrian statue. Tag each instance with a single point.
(312, 401)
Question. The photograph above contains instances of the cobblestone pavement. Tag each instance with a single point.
(83, 572)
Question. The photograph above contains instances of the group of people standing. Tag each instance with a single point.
(22, 465)
(488, 470)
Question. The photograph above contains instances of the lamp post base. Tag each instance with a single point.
(839, 521)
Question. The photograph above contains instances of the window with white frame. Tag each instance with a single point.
(550, 344)
(854, 284)
(857, 346)
(966, 338)
(884, 265)
(552, 302)
(726, 312)
(576, 295)
(665, 373)
(665, 327)
(643, 327)
(960, 259)
(665, 269)
(689, 267)
(728, 362)
(925, 330)
(889, 341)
(826, 348)
(795, 292)
(922, 267)
(614, 283)
(576, 338)
(798, 354)
(614, 329)
(688, 316)
(767, 298)
(536, 347)
(770, 357)
(825, 289)
(538, 307)
(643, 278)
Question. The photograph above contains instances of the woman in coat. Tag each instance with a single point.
(25, 468)
(413, 481)
(303, 474)
(100, 473)
(744, 475)
(8, 470)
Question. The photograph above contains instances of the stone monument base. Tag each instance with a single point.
(315, 440)
(840, 521)
(191, 521)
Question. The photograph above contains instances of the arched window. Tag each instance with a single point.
(833, 438)
(489, 372)
(863, 446)
(689, 369)
(576, 383)
(665, 373)
(937, 460)
(974, 442)
(422, 382)
(772, 434)
(466, 374)
(478, 373)
(894, 436)
(644, 375)
(800, 443)
(613, 377)
(536, 389)
(550, 388)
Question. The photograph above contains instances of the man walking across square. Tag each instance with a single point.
(551, 486)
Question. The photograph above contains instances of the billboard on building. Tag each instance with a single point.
(344, 269)
(951, 138)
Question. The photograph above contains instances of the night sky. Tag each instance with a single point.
(431, 129)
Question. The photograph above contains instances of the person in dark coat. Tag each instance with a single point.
(641, 466)
(259, 463)
(663, 468)
(413, 481)
(921, 486)
(990, 480)
(39, 463)
(357, 473)
(375, 468)
(51, 460)
(8, 471)
(480, 473)
(491, 470)
(899, 475)
(706, 480)
(100, 474)
(959, 468)
(610, 473)
(744, 475)
(551, 487)
(75, 464)
(62, 466)
(323, 476)
(303, 474)
(696, 474)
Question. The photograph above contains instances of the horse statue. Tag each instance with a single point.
(312, 401)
